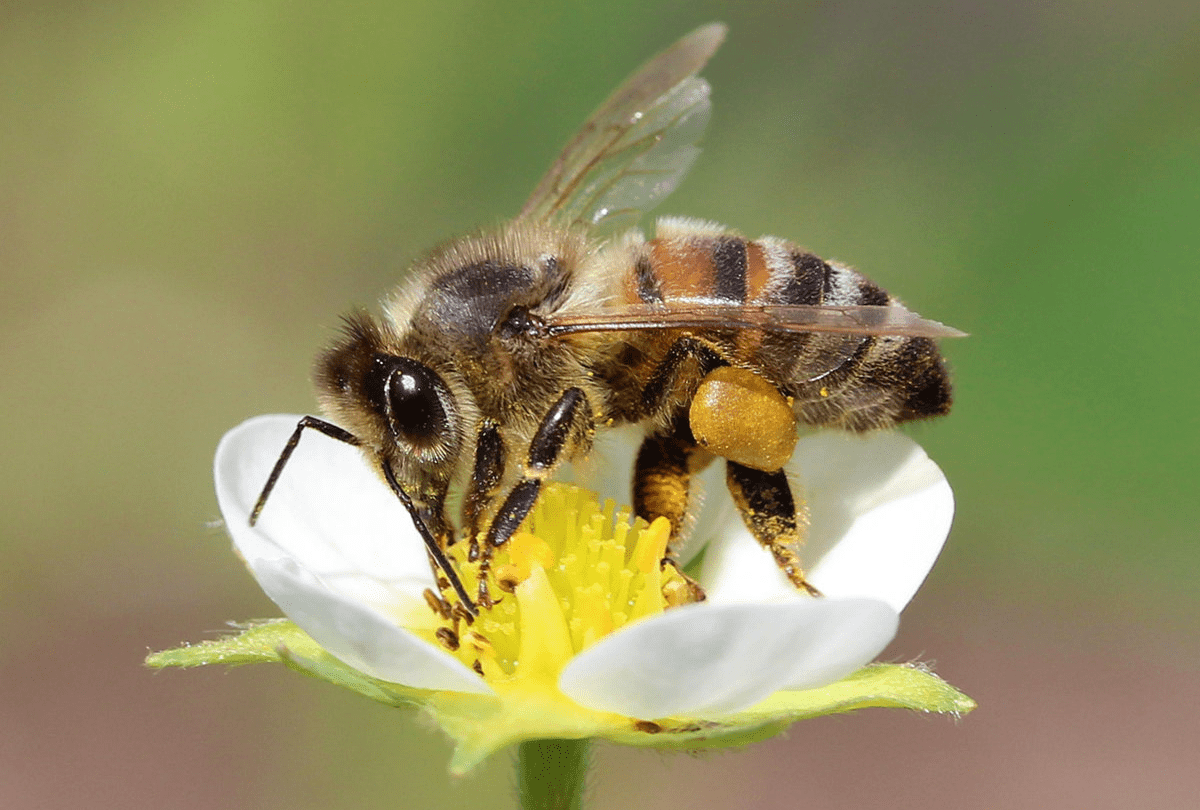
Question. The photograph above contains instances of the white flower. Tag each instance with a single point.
(339, 555)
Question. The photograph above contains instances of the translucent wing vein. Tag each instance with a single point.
(633, 151)
(699, 314)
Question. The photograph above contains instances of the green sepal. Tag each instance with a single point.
(280, 641)
(483, 724)
(901, 686)
(257, 641)
(904, 686)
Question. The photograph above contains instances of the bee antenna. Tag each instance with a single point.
(328, 428)
(431, 543)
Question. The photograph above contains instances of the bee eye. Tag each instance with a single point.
(412, 396)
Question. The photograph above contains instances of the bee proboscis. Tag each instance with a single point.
(506, 350)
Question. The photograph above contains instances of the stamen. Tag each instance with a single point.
(574, 574)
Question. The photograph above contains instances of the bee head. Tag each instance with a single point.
(396, 405)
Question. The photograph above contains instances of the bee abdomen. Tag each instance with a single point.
(855, 382)
(689, 260)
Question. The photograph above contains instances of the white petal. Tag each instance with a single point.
(880, 512)
(607, 469)
(359, 636)
(334, 549)
(328, 512)
(881, 537)
(711, 659)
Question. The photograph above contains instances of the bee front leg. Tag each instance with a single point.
(485, 479)
(568, 419)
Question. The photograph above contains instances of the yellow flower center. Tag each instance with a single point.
(575, 573)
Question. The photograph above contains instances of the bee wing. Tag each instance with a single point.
(845, 328)
(861, 321)
(634, 150)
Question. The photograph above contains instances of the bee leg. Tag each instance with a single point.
(769, 510)
(666, 461)
(662, 478)
(666, 378)
(566, 419)
(485, 478)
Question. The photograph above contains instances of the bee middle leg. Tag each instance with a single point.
(566, 421)
(669, 458)
(670, 376)
(662, 479)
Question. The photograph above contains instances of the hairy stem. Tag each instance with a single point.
(551, 774)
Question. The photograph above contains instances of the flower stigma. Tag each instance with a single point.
(575, 573)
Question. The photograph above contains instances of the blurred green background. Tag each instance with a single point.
(192, 193)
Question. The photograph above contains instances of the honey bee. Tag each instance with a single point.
(508, 349)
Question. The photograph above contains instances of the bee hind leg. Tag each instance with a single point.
(769, 510)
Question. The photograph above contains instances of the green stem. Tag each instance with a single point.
(551, 774)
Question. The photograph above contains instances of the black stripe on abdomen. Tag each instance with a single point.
(729, 264)
(859, 290)
(871, 294)
(808, 281)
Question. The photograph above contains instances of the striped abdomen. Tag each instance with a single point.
(857, 382)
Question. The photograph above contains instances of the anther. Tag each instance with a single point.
(437, 604)
(448, 638)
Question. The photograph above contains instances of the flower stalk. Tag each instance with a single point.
(552, 774)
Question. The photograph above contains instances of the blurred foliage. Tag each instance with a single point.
(193, 192)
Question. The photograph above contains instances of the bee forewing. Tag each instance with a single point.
(623, 188)
(634, 150)
(892, 319)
